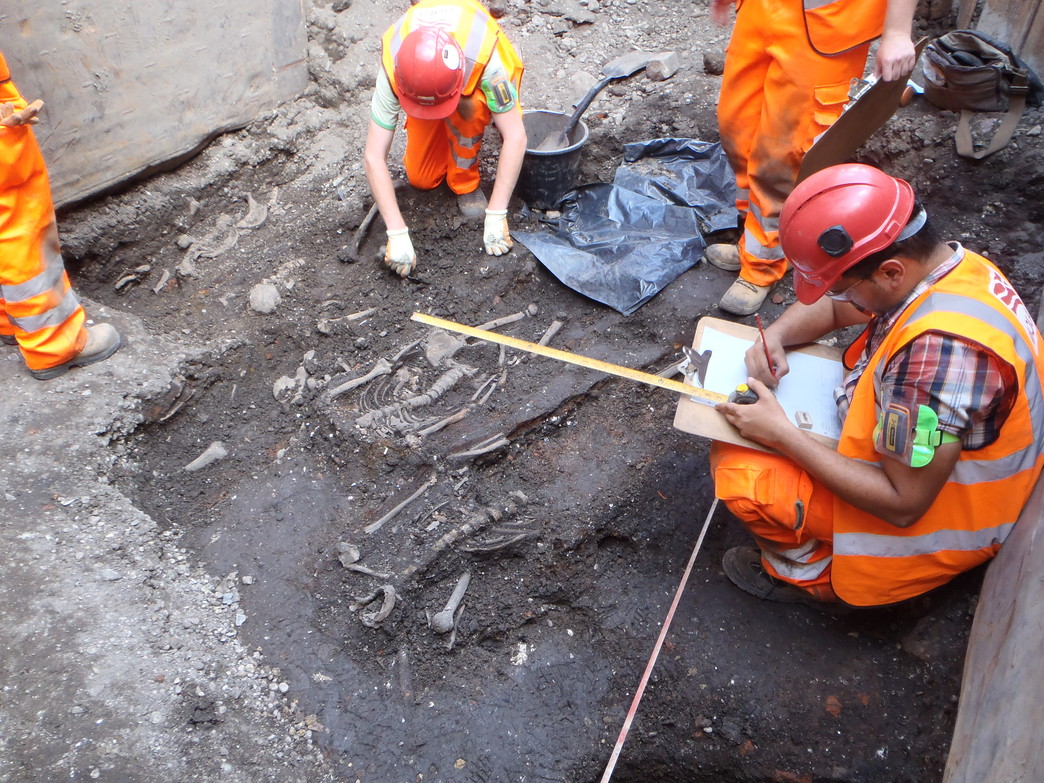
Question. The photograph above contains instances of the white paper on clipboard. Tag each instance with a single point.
(815, 372)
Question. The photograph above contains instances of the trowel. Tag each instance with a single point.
(618, 68)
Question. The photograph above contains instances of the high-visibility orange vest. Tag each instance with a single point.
(835, 26)
(877, 563)
(471, 26)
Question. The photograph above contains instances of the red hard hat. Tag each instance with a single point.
(429, 73)
(837, 217)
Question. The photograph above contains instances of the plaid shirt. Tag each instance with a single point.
(970, 389)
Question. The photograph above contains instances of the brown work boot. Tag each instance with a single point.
(742, 565)
(472, 205)
(743, 297)
(102, 342)
(724, 256)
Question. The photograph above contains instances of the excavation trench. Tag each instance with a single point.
(574, 537)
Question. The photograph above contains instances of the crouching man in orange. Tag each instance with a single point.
(942, 413)
(38, 310)
(450, 68)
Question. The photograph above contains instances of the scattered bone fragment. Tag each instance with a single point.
(369, 571)
(325, 325)
(291, 389)
(256, 214)
(550, 332)
(349, 556)
(445, 621)
(498, 322)
(497, 441)
(375, 526)
(136, 275)
(214, 452)
(374, 619)
(442, 423)
(381, 367)
(164, 277)
(440, 345)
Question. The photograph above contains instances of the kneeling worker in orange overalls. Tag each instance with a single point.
(942, 437)
(38, 310)
(450, 68)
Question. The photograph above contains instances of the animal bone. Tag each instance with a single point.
(444, 621)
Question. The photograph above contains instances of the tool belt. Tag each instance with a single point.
(966, 71)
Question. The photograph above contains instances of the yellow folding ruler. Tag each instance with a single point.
(695, 392)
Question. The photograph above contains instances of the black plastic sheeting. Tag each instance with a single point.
(622, 243)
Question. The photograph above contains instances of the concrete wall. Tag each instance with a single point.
(128, 85)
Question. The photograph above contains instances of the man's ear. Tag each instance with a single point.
(891, 273)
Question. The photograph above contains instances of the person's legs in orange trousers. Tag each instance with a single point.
(37, 304)
(438, 150)
(777, 95)
(789, 513)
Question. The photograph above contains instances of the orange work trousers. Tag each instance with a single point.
(777, 95)
(37, 303)
(448, 149)
(790, 514)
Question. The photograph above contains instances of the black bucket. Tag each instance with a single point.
(547, 175)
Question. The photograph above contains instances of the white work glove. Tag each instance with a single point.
(399, 254)
(495, 232)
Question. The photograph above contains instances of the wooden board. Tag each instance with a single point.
(129, 87)
(1019, 23)
(997, 736)
(701, 419)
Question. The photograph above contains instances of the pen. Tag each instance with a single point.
(761, 331)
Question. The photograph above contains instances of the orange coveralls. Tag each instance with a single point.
(449, 149)
(37, 303)
(778, 93)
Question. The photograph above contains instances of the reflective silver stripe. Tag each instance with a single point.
(464, 163)
(812, 5)
(53, 317)
(796, 567)
(767, 223)
(472, 47)
(742, 194)
(48, 280)
(756, 249)
(875, 545)
(396, 40)
(467, 142)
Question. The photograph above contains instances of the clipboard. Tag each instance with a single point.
(816, 370)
